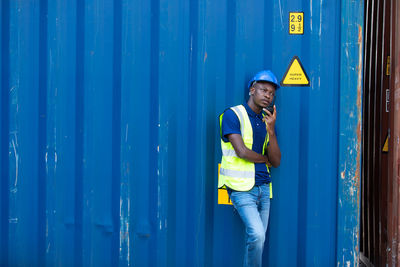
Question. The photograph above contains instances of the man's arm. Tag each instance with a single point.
(273, 150)
(243, 152)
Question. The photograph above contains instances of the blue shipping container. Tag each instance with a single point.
(109, 133)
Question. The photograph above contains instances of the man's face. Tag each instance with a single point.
(263, 93)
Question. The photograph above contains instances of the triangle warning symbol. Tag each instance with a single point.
(386, 145)
(295, 74)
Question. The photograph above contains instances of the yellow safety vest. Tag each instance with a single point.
(236, 173)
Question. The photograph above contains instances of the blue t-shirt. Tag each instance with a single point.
(231, 125)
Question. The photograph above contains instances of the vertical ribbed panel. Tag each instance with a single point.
(97, 156)
(25, 233)
(109, 133)
(61, 133)
(4, 126)
(349, 163)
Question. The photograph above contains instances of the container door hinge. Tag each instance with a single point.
(387, 99)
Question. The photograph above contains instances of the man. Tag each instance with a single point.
(249, 147)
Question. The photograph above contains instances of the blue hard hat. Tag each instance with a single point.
(265, 76)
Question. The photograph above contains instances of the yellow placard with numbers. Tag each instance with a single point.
(296, 23)
(223, 197)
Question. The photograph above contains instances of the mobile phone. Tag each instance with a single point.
(270, 107)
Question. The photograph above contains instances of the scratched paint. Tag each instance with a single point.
(350, 137)
(111, 140)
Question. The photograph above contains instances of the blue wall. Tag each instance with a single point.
(109, 134)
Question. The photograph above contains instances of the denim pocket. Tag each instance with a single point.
(241, 199)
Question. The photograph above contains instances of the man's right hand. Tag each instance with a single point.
(270, 120)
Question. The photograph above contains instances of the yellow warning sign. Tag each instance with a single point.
(296, 23)
(223, 197)
(386, 144)
(295, 74)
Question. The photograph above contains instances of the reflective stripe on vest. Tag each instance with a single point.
(229, 153)
(238, 112)
(234, 173)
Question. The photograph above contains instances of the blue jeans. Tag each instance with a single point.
(253, 208)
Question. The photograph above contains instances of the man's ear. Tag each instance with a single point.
(251, 92)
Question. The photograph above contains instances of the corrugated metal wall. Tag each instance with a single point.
(109, 133)
(393, 252)
(376, 183)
